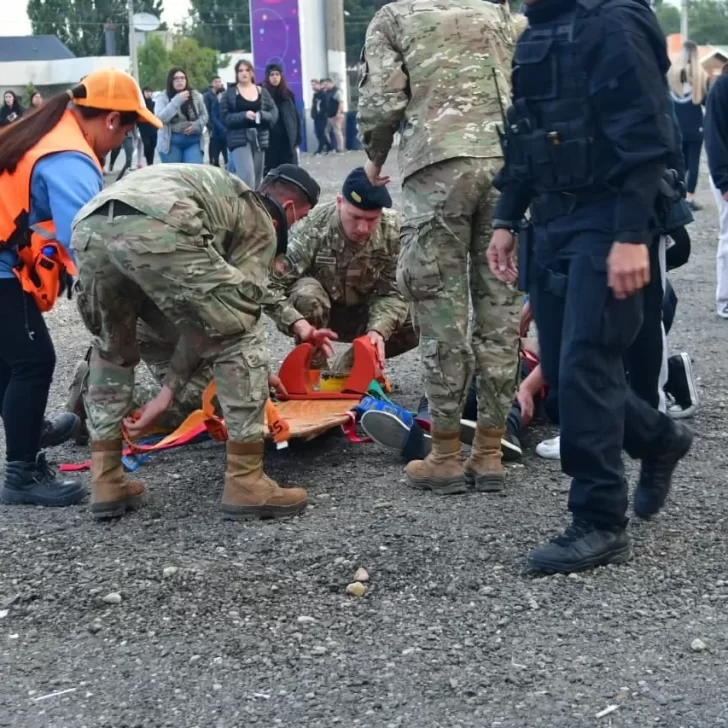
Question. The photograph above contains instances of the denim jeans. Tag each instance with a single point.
(183, 148)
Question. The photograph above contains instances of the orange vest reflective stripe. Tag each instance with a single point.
(39, 274)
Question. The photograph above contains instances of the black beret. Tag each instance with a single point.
(298, 177)
(273, 67)
(361, 193)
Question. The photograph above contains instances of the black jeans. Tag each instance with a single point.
(27, 361)
(216, 148)
(691, 153)
(150, 145)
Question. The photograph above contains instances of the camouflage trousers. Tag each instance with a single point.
(448, 212)
(309, 297)
(156, 352)
(133, 267)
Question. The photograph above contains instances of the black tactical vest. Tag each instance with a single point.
(553, 138)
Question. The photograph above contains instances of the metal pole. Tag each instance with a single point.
(132, 43)
(684, 20)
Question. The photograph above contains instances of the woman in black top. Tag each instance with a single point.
(248, 113)
(688, 88)
(285, 136)
(11, 110)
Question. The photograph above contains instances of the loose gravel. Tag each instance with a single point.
(174, 617)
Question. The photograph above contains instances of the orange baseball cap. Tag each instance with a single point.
(113, 90)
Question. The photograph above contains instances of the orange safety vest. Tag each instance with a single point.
(39, 274)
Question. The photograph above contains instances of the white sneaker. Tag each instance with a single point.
(550, 449)
(723, 312)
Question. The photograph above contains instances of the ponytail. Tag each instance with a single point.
(18, 138)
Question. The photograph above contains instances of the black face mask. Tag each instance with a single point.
(279, 215)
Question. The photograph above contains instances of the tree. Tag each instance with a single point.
(153, 63)
(669, 18)
(80, 23)
(708, 22)
(222, 24)
(358, 15)
(200, 64)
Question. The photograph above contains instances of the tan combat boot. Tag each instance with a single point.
(484, 468)
(250, 493)
(111, 494)
(442, 470)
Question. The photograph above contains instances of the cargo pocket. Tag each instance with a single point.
(621, 320)
(256, 364)
(89, 313)
(225, 311)
(418, 273)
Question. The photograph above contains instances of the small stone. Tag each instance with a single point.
(303, 619)
(112, 598)
(697, 645)
(175, 476)
(361, 575)
(95, 627)
(319, 650)
(356, 589)
(195, 658)
(217, 686)
(573, 575)
(4, 613)
(170, 571)
(339, 560)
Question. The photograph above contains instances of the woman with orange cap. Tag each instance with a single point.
(51, 165)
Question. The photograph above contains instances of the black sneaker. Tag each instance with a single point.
(695, 206)
(681, 386)
(36, 484)
(656, 474)
(582, 546)
(59, 429)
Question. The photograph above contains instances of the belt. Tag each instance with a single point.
(551, 205)
(116, 208)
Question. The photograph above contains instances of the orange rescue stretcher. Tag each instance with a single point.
(315, 403)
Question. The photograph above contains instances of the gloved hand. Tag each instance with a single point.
(66, 284)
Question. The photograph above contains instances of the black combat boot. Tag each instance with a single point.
(656, 474)
(59, 429)
(583, 545)
(37, 484)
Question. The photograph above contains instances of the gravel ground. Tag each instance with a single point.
(225, 624)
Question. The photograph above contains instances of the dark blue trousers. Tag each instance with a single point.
(584, 333)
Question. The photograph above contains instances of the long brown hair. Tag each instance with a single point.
(18, 138)
(249, 66)
(281, 89)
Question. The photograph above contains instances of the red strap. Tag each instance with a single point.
(349, 429)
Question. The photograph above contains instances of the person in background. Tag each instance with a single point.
(319, 115)
(285, 135)
(148, 132)
(248, 113)
(49, 167)
(688, 89)
(184, 114)
(218, 134)
(334, 105)
(211, 99)
(36, 100)
(716, 146)
(11, 110)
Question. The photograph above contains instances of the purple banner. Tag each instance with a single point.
(276, 38)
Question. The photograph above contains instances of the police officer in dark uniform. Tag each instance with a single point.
(587, 141)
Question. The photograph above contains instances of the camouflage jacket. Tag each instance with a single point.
(206, 204)
(351, 273)
(430, 65)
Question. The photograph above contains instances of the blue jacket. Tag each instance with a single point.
(60, 186)
(716, 132)
(217, 128)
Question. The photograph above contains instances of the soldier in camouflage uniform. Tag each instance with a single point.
(431, 66)
(188, 249)
(339, 272)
